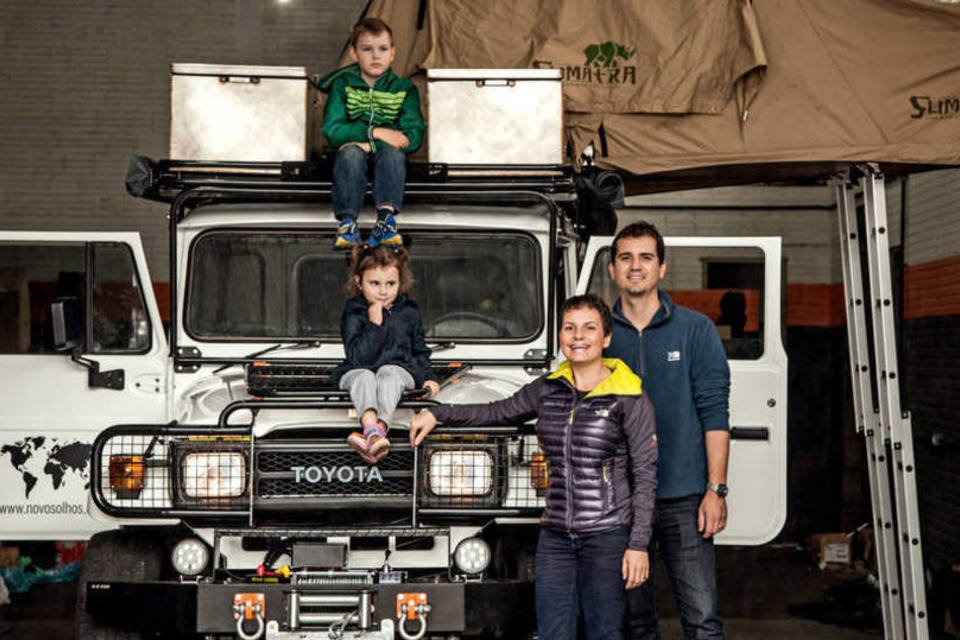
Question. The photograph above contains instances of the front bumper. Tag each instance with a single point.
(206, 608)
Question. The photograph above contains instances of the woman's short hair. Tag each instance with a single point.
(590, 301)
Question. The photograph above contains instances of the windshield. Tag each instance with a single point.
(289, 285)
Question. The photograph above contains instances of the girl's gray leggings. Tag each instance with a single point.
(379, 391)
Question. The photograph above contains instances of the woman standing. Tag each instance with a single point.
(598, 433)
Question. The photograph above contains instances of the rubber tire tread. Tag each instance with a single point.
(121, 554)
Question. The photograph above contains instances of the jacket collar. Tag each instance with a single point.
(621, 382)
(662, 315)
(351, 73)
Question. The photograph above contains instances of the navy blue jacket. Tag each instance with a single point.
(399, 340)
(684, 370)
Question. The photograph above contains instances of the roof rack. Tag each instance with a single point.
(164, 180)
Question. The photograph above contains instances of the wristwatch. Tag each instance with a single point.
(719, 489)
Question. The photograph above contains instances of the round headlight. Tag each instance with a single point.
(190, 557)
(472, 556)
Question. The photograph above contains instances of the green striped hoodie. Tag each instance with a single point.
(354, 108)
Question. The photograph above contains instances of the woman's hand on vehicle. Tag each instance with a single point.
(420, 426)
(432, 387)
(636, 567)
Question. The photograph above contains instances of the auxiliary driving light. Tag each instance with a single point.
(214, 475)
(126, 475)
(539, 472)
(190, 557)
(461, 473)
(472, 556)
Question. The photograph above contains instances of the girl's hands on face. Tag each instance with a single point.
(375, 312)
(380, 287)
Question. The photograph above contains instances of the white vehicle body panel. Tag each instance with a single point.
(49, 416)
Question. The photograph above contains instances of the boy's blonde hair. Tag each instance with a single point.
(367, 257)
(375, 26)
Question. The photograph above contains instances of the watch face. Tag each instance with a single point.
(720, 489)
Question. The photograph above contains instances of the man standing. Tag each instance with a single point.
(678, 354)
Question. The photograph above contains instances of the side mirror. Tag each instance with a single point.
(66, 317)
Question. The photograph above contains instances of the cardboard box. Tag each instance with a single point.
(9, 556)
(833, 550)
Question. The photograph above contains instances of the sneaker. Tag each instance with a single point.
(348, 234)
(385, 232)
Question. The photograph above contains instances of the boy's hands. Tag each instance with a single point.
(392, 137)
(432, 386)
(420, 426)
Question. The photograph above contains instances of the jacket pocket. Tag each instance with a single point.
(607, 491)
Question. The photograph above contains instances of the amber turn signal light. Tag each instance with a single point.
(539, 471)
(126, 475)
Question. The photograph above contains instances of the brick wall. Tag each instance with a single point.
(85, 85)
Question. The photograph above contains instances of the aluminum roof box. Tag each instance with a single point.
(241, 113)
(495, 116)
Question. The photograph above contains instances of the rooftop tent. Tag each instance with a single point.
(704, 91)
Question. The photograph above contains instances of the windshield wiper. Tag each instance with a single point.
(280, 346)
(443, 346)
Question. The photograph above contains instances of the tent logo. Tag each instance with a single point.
(604, 63)
(937, 108)
(606, 54)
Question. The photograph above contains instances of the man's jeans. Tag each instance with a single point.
(580, 573)
(690, 563)
(350, 178)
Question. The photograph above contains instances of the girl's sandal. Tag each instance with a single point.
(358, 443)
(377, 443)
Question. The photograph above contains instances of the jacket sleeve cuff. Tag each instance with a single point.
(440, 412)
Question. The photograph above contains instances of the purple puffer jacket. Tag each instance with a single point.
(601, 449)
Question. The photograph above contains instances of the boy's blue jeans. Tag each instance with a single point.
(580, 573)
(350, 178)
(691, 566)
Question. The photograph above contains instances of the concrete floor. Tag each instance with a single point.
(761, 590)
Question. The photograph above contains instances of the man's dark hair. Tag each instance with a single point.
(642, 229)
(589, 301)
(375, 26)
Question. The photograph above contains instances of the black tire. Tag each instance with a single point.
(115, 555)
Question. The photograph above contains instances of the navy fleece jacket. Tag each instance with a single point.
(684, 370)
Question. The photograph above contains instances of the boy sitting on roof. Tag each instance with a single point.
(371, 115)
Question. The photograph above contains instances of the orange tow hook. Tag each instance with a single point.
(249, 606)
(412, 607)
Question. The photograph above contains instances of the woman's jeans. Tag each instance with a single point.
(580, 574)
(690, 562)
(350, 178)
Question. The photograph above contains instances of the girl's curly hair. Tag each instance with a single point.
(367, 257)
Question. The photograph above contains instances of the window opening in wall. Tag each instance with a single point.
(725, 284)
